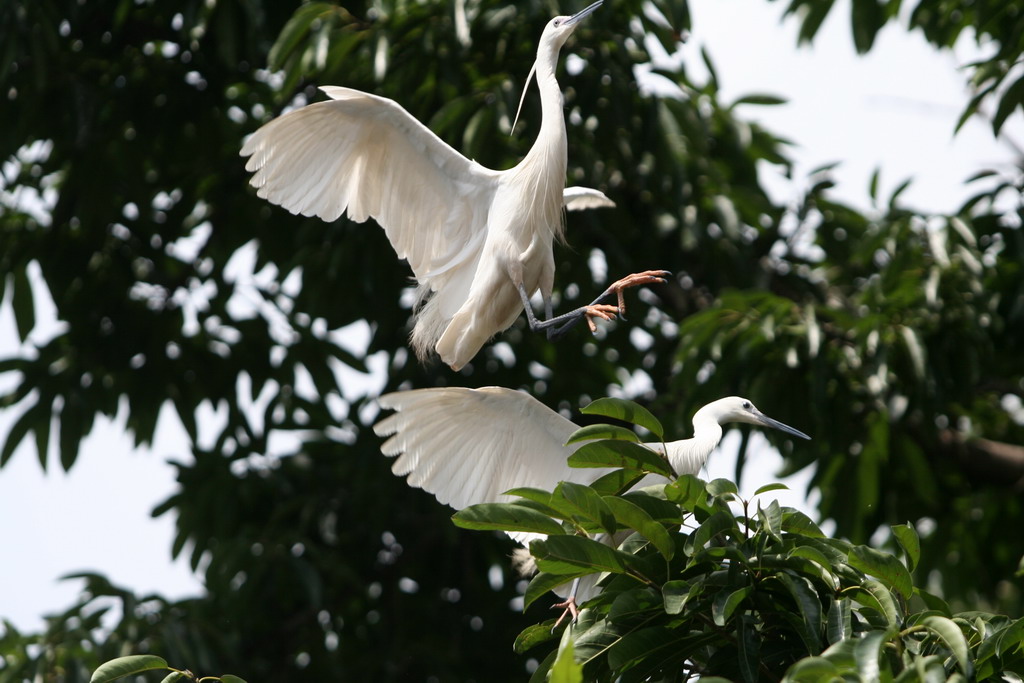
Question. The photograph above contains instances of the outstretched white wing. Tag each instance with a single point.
(469, 446)
(366, 156)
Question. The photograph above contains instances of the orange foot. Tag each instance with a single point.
(602, 311)
(570, 608)
(648, 277)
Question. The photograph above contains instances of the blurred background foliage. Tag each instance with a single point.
(892, 336)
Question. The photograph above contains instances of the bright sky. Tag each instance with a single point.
(894, 109)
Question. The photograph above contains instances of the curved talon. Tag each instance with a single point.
(570, 608)
(647, 277)
(602, 311)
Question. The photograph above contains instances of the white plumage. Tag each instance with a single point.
(479, 241)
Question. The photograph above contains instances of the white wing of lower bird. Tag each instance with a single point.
(469, 446)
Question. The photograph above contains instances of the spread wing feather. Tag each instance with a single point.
(366, 156)
(469, 446)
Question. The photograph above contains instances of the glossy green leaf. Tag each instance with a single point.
(174, 677)
(634, 517)
(229, 678)
(565, 669)
(840, 625)
(616, 482)
(505, 517)
(688, 491)
(569, 554)
(808, 606)
(722, 487)
(716, 524)
(954, 639)
(884, 567)
(875, 595)
(777, 486)
(749, 646)
(796, 522)
(726, 602)
(620, 454)
(907, 537)
(627, 411)
(603, 431)
(675, 594)
(533, 635)
(587, 503)
(127, 666)
(866, 654)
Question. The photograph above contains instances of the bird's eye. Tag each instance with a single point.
(747, 405)
(557, 23)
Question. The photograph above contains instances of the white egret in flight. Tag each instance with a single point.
(479, 241)
(469, 446)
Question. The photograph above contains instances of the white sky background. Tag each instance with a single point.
(894, 109)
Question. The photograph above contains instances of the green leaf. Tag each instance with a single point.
(293, 33)
(229, 678)
(22, 304)
(933, 602)
(954, 639)
(505, 517)
(633, 606)
(603, 431)
(1012, 98)
(812, 670)
(722, 487)
(174, 677)
(777, 486)
(569, 554)
(760, 99)
(712, 526)
(627, 411)
(796, 522)
(875, 595)
(749, 647)
(840, 625)
(620, 454)
(675, 594)
(866, 655)
(882, 566)
(726, 602)
(588, 504)
(19, 430)
(616, 482)
(532, 635)
(127, 666)
(565, 668)
(632, 516)
(809, 607)
(639, 647)
(907, 537)
(688, 491)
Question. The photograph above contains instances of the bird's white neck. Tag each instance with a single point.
(544, 166)
(689, 455)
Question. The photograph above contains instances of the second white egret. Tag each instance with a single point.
(469, 446)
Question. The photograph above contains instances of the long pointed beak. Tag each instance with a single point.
(583, 12)
(775, 424)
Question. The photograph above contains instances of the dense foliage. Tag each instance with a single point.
(749, 592)
(894, 335)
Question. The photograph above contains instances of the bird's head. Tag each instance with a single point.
(559, 29)
(738, 409)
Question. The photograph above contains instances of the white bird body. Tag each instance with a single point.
(473, 236)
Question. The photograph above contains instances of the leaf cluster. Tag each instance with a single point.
(691, 586)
